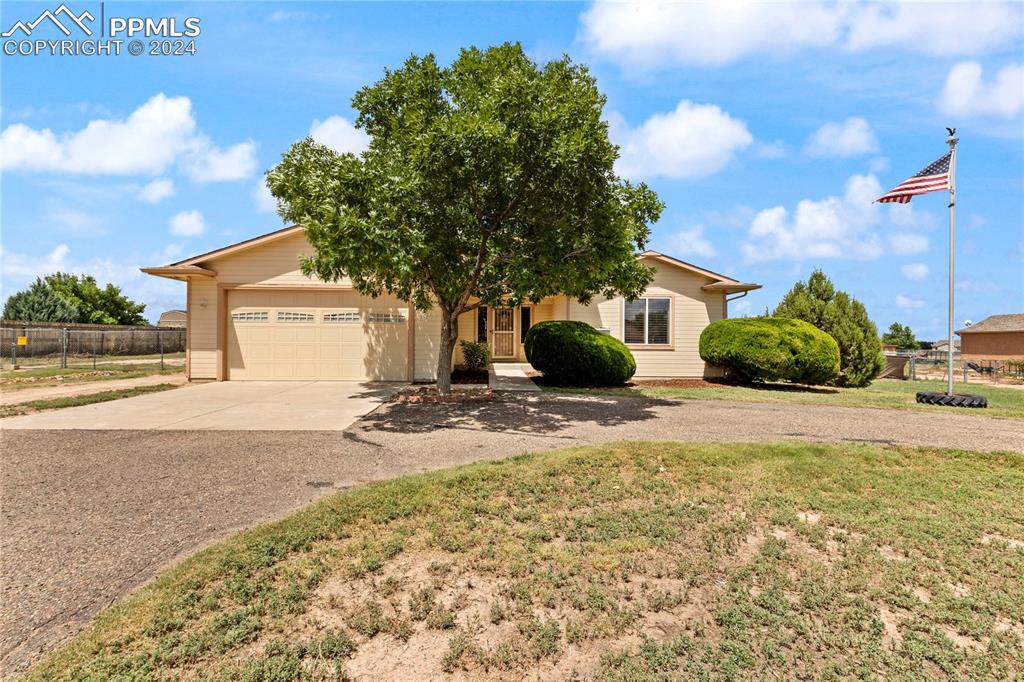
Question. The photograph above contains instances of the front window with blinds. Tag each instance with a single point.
(646, 321)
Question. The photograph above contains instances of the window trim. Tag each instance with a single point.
(646, 345)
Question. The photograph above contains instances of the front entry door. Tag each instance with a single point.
(504, 336)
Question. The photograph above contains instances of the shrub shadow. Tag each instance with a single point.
(543, 414)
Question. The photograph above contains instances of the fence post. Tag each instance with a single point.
(94, 350)
(160, 340)
(64, 348)
(14, 355)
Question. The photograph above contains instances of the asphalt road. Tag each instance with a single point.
(87, 516)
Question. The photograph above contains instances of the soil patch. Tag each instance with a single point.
(464, 376)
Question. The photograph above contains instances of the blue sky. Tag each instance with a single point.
(767, 131)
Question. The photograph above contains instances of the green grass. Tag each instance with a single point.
(631, 561)
(76, 400)
(882, 393)
(13, 380)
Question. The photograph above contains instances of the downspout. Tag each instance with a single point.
(730, 300)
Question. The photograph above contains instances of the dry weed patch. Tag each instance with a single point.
(634, 561)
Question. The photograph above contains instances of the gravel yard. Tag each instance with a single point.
(89, 515)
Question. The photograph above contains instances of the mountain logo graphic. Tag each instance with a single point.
(77, 20)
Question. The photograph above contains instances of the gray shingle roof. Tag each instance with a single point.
(1013, 322)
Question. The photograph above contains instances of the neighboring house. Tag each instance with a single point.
(944, 344)
(253, 315)
(998, 337)
(175, 319)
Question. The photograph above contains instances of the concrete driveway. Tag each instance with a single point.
(224, 406)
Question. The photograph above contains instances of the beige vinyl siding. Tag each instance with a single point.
(275, 264)
(203, 331)
(692, 310)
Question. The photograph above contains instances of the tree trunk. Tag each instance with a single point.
(449, 335)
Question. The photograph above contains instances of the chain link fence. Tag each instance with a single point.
(35, 347)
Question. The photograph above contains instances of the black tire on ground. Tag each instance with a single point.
(955, 400)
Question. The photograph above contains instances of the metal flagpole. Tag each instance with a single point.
(952, 220)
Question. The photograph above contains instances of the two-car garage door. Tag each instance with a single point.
(320, 334)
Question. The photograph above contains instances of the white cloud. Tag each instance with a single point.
(690, 243)
(656, 35)
(741, 308)
(211, 164)
(879, 164)
(337, 133)
(852, 137)
(149, 141)
(74, 221)
(966, 92)
(187, 224)
(935, 29)
(157, 191)
(649, 34)
(771, 150)
(833, 227)
(693, 141)
(977, 287)
(906, 244)
(915, 271)
(264, 200)
(17, 270)
(909, 303)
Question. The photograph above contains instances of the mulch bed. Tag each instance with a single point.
(429, 394)
(538, 378)
(462, 376)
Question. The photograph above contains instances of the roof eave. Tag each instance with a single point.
(730, 287)
(179, 271)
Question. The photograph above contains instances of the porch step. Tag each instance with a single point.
(510, 377)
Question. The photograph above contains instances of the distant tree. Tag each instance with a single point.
(901, 336)
(487, 182)
(95, 305)
(39, 303)
(843, 317)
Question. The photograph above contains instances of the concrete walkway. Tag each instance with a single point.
(511, 376)
(225, 406)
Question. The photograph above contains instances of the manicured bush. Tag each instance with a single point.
(576, 354)
(772, 349)
(475, 355)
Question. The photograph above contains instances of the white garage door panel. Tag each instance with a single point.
(332, 345)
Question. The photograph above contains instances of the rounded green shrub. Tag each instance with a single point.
(576, 354)
(772, 349)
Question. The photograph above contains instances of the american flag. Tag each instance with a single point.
(932, 179)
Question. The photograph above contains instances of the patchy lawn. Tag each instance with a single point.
(634, 561)
(31, 406)
(13, 380)
(883, 393)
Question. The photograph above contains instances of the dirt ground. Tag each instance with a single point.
(24, 395)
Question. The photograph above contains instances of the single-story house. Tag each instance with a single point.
(997, 337)
(253, 315)
(173, 319)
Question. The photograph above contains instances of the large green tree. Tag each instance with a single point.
(489, 181)
(96, 305)
(901, 336)
(843, 317)
(39, 303)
